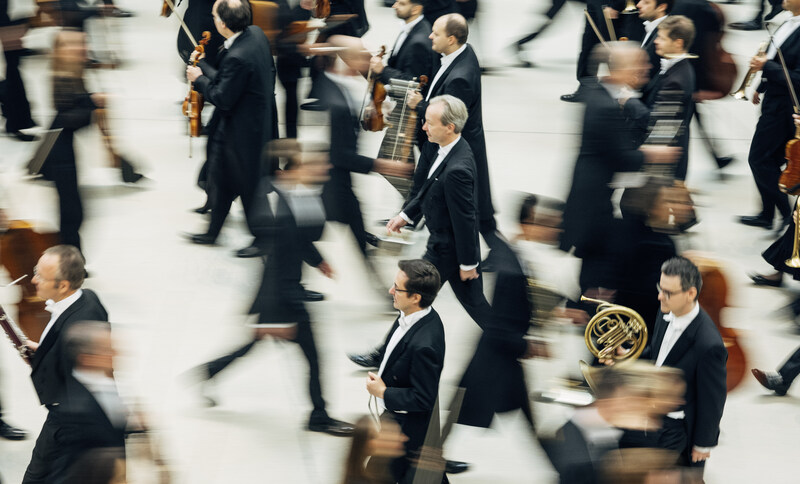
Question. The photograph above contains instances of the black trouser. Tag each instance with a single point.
(774, 129)
(791, 368)
(551, 13)
(304, 338)
(16, 108)
(60, 167)
(673, 437)
(44, 454)
(469, 293)
(341, 205)
(288, 68)
(227, 181)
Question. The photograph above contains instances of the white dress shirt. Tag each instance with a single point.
(446, 61)
(784, 32)
(650, 26)
(677, 325)
(56, 309)
(404, 34)
(229, 41)
(405, 323)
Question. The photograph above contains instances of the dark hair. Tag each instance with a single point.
(96, 466)
(81, 339)
(530, 203)
(679, 27)
(235, 17)
(688, 272)
(608, 380)
(363, 432)
(669, 3)
(70, 265)
(456, 25)
(423, 279)
(638, 202)
(419, 2)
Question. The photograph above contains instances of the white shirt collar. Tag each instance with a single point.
(448, 59)
(666, 64)
(650, 25)
(94, 381)
(446, 149)
(410, 25)
(229, 41)
(619, 91)
(56, 309)
(406, 322)
(680, 323)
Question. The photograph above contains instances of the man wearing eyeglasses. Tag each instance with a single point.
(58, 277)
(406, 385)
(685, 337)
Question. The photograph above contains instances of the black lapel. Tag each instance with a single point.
(401, 345)
(685, 341)
(439, 168)
(440, 82)
(651, 39)
(658, 335)
(52, 335)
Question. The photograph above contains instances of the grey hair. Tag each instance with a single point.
(455, 111)
(616, 55)
(70, 264)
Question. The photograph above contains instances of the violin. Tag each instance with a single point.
(789, 181)
(20, 249)
(322, 9)
(373, 112)
(166, 11)
(193, 103)
(713, 299)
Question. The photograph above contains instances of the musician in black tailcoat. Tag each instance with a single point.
(675, 80)
(91, 415)
(775, 126)
(606, 149)
(288, 237)
(411, 361)
(341, 204)
(459, 75)
(58, 278)
(242, 89)
(412, 55)
(686, 338)
(448, 200)
(289, 61)
(652, 13)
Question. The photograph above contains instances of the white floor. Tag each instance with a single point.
(176, 305)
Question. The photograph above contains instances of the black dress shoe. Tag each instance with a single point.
(574, 97)
(372, 239)
(11, 433)
(251, 251)
(119, 13)
(332, 427)
(367, 360)
(129, 174)
(750, 25)
(201, 239)
(756, 221)
(771, 382)
(313, 296)
(760, 280)
(203, 210)
(315, 105)
(22, 136)
(723, 161)
(455, 467)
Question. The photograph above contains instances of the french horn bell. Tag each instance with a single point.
(613, 326)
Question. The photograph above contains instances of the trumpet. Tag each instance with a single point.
(611, 327)
(630, 8)
(741, 93)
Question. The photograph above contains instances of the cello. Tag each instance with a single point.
(713, 299)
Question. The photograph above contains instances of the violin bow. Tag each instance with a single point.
(594, 27)
(785, 72)
(183, 24)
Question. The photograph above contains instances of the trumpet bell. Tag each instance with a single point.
(630, 8)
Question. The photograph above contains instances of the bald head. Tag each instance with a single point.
(232, 16)
(627, 63)
(449, 33)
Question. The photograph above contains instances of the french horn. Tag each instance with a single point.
(613, 326)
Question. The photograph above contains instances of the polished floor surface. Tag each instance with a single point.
(176, 305)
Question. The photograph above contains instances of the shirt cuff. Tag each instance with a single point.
(405, 217)
(702, 450)
(466, 268)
